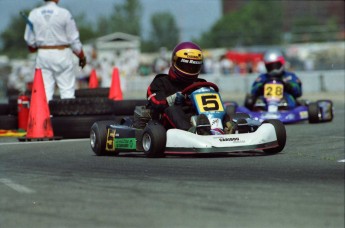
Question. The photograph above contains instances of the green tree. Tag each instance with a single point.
(12, 38)
(13, 43)
(86, 31)
(255, 23)
(103, 26)
(125, 18)
(164, 32)
(308, 29)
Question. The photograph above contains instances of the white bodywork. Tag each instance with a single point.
(264, 137)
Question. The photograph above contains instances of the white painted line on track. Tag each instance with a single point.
(341, 160)
(17, 187)
(337, 137)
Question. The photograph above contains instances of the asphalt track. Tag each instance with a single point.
(63, 184)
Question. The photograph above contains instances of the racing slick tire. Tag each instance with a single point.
(92, 92)
(154, 140)
(4, 109)
(326, 107)
(281, 136)
(314, 113)
(74, 127)
(98, 137)
(249, 101)
(126, 107)
(8, 122)
(81, 106)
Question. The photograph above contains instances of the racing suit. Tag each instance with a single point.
(159, 94)
(292, 87)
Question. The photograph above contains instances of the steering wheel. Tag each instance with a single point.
(274, 78)
(199, 85)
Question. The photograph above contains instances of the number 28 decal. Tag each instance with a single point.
(273, 90)
(209, 102)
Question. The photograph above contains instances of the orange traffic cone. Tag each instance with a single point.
(93, 81)
(115, 92)
(39, 125)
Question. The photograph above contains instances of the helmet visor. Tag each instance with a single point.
(273, 66)
(188, 66)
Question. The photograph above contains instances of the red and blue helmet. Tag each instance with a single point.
(186, 62)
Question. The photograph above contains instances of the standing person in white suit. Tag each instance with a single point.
(52, 32)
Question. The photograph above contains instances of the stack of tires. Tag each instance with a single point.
(73, 118)
(9, 112)
(8, 117)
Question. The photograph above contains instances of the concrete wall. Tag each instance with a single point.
(313, 82)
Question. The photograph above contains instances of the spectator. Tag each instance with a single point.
(226, 65)
(161, 64)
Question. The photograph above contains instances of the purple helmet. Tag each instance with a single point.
(186, 62)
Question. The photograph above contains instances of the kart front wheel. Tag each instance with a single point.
(98, 137)
(281, 136)
(249, 101)
(231, 109)
(154, 140)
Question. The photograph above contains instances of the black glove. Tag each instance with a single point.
(288, 88)
(82, 62)
(176, 99)
(260, 91)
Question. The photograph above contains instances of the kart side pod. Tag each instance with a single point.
(108, 138)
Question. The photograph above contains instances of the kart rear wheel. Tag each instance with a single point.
(98, 137)
(326, 107)
(281, 136)
(314, 113)
(154, 140)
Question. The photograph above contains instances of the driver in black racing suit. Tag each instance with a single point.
(164, 93)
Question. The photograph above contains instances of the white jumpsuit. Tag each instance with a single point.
(54, 26)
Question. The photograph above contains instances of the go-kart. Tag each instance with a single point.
(141, 133)
(273, 105)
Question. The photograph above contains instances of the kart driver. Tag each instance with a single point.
(274, 63)
(164, 93)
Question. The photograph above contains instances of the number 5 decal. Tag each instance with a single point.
(209, 102)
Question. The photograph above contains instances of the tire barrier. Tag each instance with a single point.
(12, 105)
(126, 107)
(96, 92)
(81, 106)
(70, 127)
(8, 122)
(4, 109)
(73, 118)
